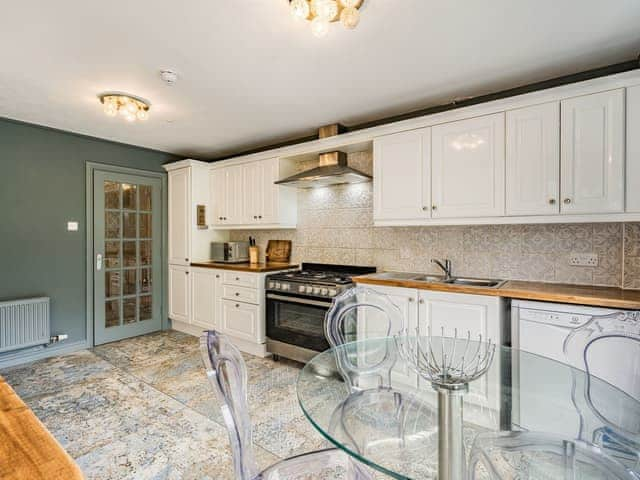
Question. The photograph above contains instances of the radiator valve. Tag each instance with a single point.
(58, 338)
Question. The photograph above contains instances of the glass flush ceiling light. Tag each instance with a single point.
(322, 12)
(130, 107)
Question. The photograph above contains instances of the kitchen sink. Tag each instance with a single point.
(476, 282)
(395, 276)
(430, 279)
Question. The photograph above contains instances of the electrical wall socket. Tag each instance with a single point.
(584, 259)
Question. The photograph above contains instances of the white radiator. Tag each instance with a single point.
(24, 323)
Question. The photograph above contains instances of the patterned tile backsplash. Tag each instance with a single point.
(335, 225)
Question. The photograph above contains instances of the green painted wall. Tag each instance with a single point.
(42, 186)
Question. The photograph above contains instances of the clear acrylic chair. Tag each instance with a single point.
(607, 445)
(227, 373)
(374, 418)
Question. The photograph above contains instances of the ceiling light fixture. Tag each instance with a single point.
(130, 107)
(322, 12)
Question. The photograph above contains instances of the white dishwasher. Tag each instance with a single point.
(541, 328)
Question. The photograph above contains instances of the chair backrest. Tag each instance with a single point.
(357, 314)
(608, 348)
(227, 373)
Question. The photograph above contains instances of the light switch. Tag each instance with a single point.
(72, 226)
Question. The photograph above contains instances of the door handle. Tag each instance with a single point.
(99, 262)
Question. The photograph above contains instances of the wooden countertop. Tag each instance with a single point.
(247, 267)
(545, 292)
(27, 449)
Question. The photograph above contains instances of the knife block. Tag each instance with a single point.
(253, 254)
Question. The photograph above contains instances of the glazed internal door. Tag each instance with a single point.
(127, 256)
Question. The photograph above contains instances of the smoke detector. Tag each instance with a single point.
(168, 76)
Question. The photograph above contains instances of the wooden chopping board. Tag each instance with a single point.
(278, 251)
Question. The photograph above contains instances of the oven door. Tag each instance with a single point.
(297, 321)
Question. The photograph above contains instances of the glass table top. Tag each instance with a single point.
(521, 391)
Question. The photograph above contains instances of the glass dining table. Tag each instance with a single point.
(395, 430)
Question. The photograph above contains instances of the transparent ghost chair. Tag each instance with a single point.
(377, 418)
(607, 444)
(227, 373)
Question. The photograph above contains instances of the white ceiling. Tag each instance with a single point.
(251, 75)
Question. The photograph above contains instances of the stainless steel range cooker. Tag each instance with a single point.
(297, 303)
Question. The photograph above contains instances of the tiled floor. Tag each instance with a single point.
(142, 409)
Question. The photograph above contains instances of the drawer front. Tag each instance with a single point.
(240, 320)
(241, 279)
(242, 294)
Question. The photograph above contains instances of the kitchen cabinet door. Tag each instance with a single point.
(533, 160)
(234, 195)
(179, 216)
(401, 178)
(179, 293)
(592, 153)
(218, 193)
(203, 291)
(468, 165)
(372, 326)
(269, 208)
(240, 320)
(252, 192)
(474, 314)
(633, 149)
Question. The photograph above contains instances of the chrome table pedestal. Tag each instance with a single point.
(451, 457)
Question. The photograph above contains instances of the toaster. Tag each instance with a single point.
(230, 252)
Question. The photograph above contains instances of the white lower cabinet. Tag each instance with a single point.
(205, 285)
(179, 293)
(424, 309)
(224, 300)
(240, 320)
(478, 315)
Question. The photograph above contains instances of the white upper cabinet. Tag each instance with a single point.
(592, 153)
(468, 167)
(533, 160)
(246, 195)
(633, 149)
(401, 176)
(227, 195)
(179, 216)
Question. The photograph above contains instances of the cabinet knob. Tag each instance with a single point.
(259, 216)
(186, 259)
(237, 279)
(237, 294)
(224, 218)
(411, 299)
(421, 302)
(424, 209)
(552, 201)
(217, 276)
(237, 305)
(186, 273)
(567, 201)
(434, 207)
(219, 218)
(255, 217)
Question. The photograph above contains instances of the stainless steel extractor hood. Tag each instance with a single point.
(332, 169)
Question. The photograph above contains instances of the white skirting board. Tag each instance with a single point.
(37, 353)
(256, 349)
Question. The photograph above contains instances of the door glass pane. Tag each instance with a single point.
(144, 194)
(129, 197)
(129, 220)
(130, 282)
(111, 313)
(111, 195)
(129, 307)
(145, 280)
(145, 252)
(111, 284)
(129, 254)
(146, 311)
(145, 225)
(111, 254)
(112, 225)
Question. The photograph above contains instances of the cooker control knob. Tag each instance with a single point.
(333, 292)
(284, 286)
(302, 289)
(324, 291)
(277, 284)
(272, 284)
(316, 290)
(309, 289)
